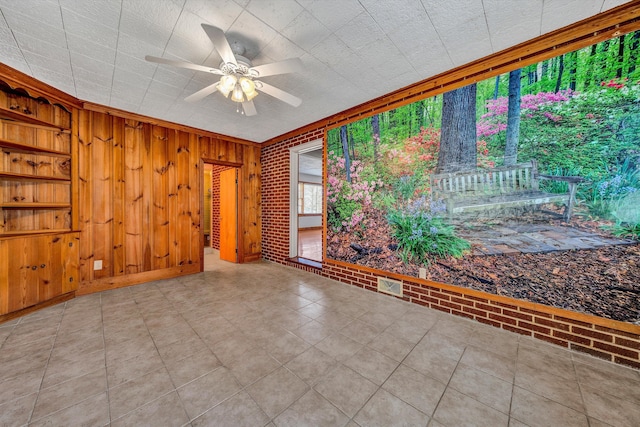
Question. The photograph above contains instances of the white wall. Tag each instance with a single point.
(309, 221)
(315, 220)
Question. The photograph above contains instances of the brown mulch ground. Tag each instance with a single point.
(604, 282)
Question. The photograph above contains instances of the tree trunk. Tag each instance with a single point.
(560, 71)
(345, 151)
(545, 68)
(513, 119)
(351, 142)
(633, 52)
(532, 74)
(620, 63)
(375, 127)
(458, 133)
(592, 56)
(602, 72)
(496, 88)
(573, 69)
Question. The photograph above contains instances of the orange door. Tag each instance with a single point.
(228, 215)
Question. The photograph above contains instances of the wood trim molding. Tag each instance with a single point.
(37, 89)
(53, 301)
(221, 162)
(89, 287)
(612, 23)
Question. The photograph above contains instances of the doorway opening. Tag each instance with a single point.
(306, 204)
(220, 212)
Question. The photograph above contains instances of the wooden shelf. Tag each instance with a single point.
(10, 176)
(21, 118)
(32, 232)
(30, 149)
(35, 205)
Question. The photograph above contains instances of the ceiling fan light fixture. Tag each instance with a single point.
(248, 87)
(237, 95)
(251, 95)
(227, 84)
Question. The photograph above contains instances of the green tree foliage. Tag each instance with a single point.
(580, 115)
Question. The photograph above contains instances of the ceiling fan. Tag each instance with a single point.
(238, 77)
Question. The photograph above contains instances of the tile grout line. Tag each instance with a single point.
(395, 369)
(46, 366)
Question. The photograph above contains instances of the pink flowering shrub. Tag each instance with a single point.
(495, 120)
(346, 200)
(420, 154)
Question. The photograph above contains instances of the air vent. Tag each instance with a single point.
(388, 286)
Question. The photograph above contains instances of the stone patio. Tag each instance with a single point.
(509, 236)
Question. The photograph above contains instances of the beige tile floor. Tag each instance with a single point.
(262, 344)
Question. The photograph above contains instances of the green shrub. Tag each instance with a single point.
(421, 236)
(606, 197)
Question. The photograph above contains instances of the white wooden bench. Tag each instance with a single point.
(503, 187)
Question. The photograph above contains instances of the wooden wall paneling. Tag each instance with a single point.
(70, 250)
(204, 146)
(147, 194)
(216, 150)
(49, 266)
(119, 206)
(184, 194)
(159, 214)
(133, 196)
(251, 204)
(16, 277)
(101, 192)
(20, 191)
(85, 195)
(4, 275)
(29, 249)
(196, 191)
(172, 196)
(73, 149)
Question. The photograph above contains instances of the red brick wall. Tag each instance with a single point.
(275, 196)
(614, 341)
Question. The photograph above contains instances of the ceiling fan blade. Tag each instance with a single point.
(202, 93)
(292, 65)
(220, 42)
(278, 93)
(249, 108)
(183, 64)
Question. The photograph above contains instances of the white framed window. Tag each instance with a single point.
(309, 198)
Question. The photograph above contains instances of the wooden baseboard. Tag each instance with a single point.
(53, 301)
(108, 283)
(252, 257)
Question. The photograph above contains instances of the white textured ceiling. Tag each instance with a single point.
(353, 50)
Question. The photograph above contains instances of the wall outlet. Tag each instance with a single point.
(97, 265)
(422, 273)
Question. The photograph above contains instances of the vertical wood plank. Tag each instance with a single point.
(50, 276)
(160, 218)
(119, 212)
(101, 143)
(69, 263)
(146, 177)
(251, 213)
(133, 197)
(85, 195)
(4, 276)
(172, 196)
(196, 194)
(183, 236)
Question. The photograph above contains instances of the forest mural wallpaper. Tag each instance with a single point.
(576, 118)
